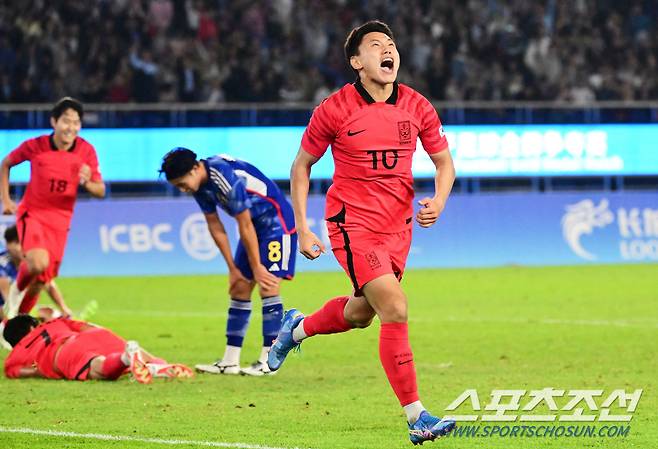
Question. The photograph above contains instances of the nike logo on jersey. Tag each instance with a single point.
(405, 362)
(350, 133)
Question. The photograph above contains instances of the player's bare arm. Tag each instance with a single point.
(29, 371)
(431, 208)
(8, 206)
(56, 295)
(300, 174)
(95, 188)
(250, 241)
(218, 233)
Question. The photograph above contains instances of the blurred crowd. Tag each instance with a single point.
(217, 51)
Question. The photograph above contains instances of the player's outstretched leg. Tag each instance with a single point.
(284, 342)
(170, 370)
(428, 427)
(138, 368)
(330, 319)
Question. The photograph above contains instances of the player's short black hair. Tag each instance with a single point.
(18, 327)
(66, 103)
(11, 234)
(355, 37)
(178, 162)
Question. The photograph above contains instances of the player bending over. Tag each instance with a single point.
(75, 350)
(265, 253)
(60, 162)
(372, 127)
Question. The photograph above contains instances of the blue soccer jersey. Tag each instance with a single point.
(235, 186)
(7, 267)
(7, 270)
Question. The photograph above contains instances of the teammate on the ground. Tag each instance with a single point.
(265, 253)
(372, 127)
(76, 350)
(10, 259)
(60, 162)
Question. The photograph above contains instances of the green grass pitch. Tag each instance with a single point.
(593, 327)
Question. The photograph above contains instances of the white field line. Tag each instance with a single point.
(101, 436)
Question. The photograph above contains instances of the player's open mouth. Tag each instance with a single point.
(387, 65)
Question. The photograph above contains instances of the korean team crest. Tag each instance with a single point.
(373, 260)
(404, 130)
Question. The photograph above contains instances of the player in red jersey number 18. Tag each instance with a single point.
(60, 162)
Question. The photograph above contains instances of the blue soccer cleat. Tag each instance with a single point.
(429, 427)
(284, 342)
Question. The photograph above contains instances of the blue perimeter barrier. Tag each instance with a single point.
(478, 150)
(169, 236)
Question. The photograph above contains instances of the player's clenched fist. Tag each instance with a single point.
(310, 245)
(85, 174)
(8, 207)
(429, 212)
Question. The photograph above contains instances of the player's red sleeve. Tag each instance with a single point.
(320, 132)
(23, 152)
(75, 325)
(92, 161)
(431, 134)
(13, 364)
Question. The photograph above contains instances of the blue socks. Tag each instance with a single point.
(239, 313)
(272, 316)
(238, 322)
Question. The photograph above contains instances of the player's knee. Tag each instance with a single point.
(37, 264)
(358, 320)
(240, 290)
(361, 324)
(96, 368)
(396, 317)
(394, 312)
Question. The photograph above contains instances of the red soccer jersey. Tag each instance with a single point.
(39, 347)
(372, 145)
(54, 178)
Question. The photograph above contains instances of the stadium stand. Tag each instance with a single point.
(284, 51)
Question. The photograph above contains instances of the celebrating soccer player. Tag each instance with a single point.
(372, 127)
(75, 350)
(264, 255)
(60, 162)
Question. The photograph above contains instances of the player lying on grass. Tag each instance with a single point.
(264, 255)
(76, 350)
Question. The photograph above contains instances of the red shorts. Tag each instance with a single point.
(75, 356)
(34, 234)
(366, 255)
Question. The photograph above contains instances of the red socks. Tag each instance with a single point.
(329, 319)
(394, 350)
(398, 361)
(24, 277)
(23, 280)
(28, 303)
(113, 367)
